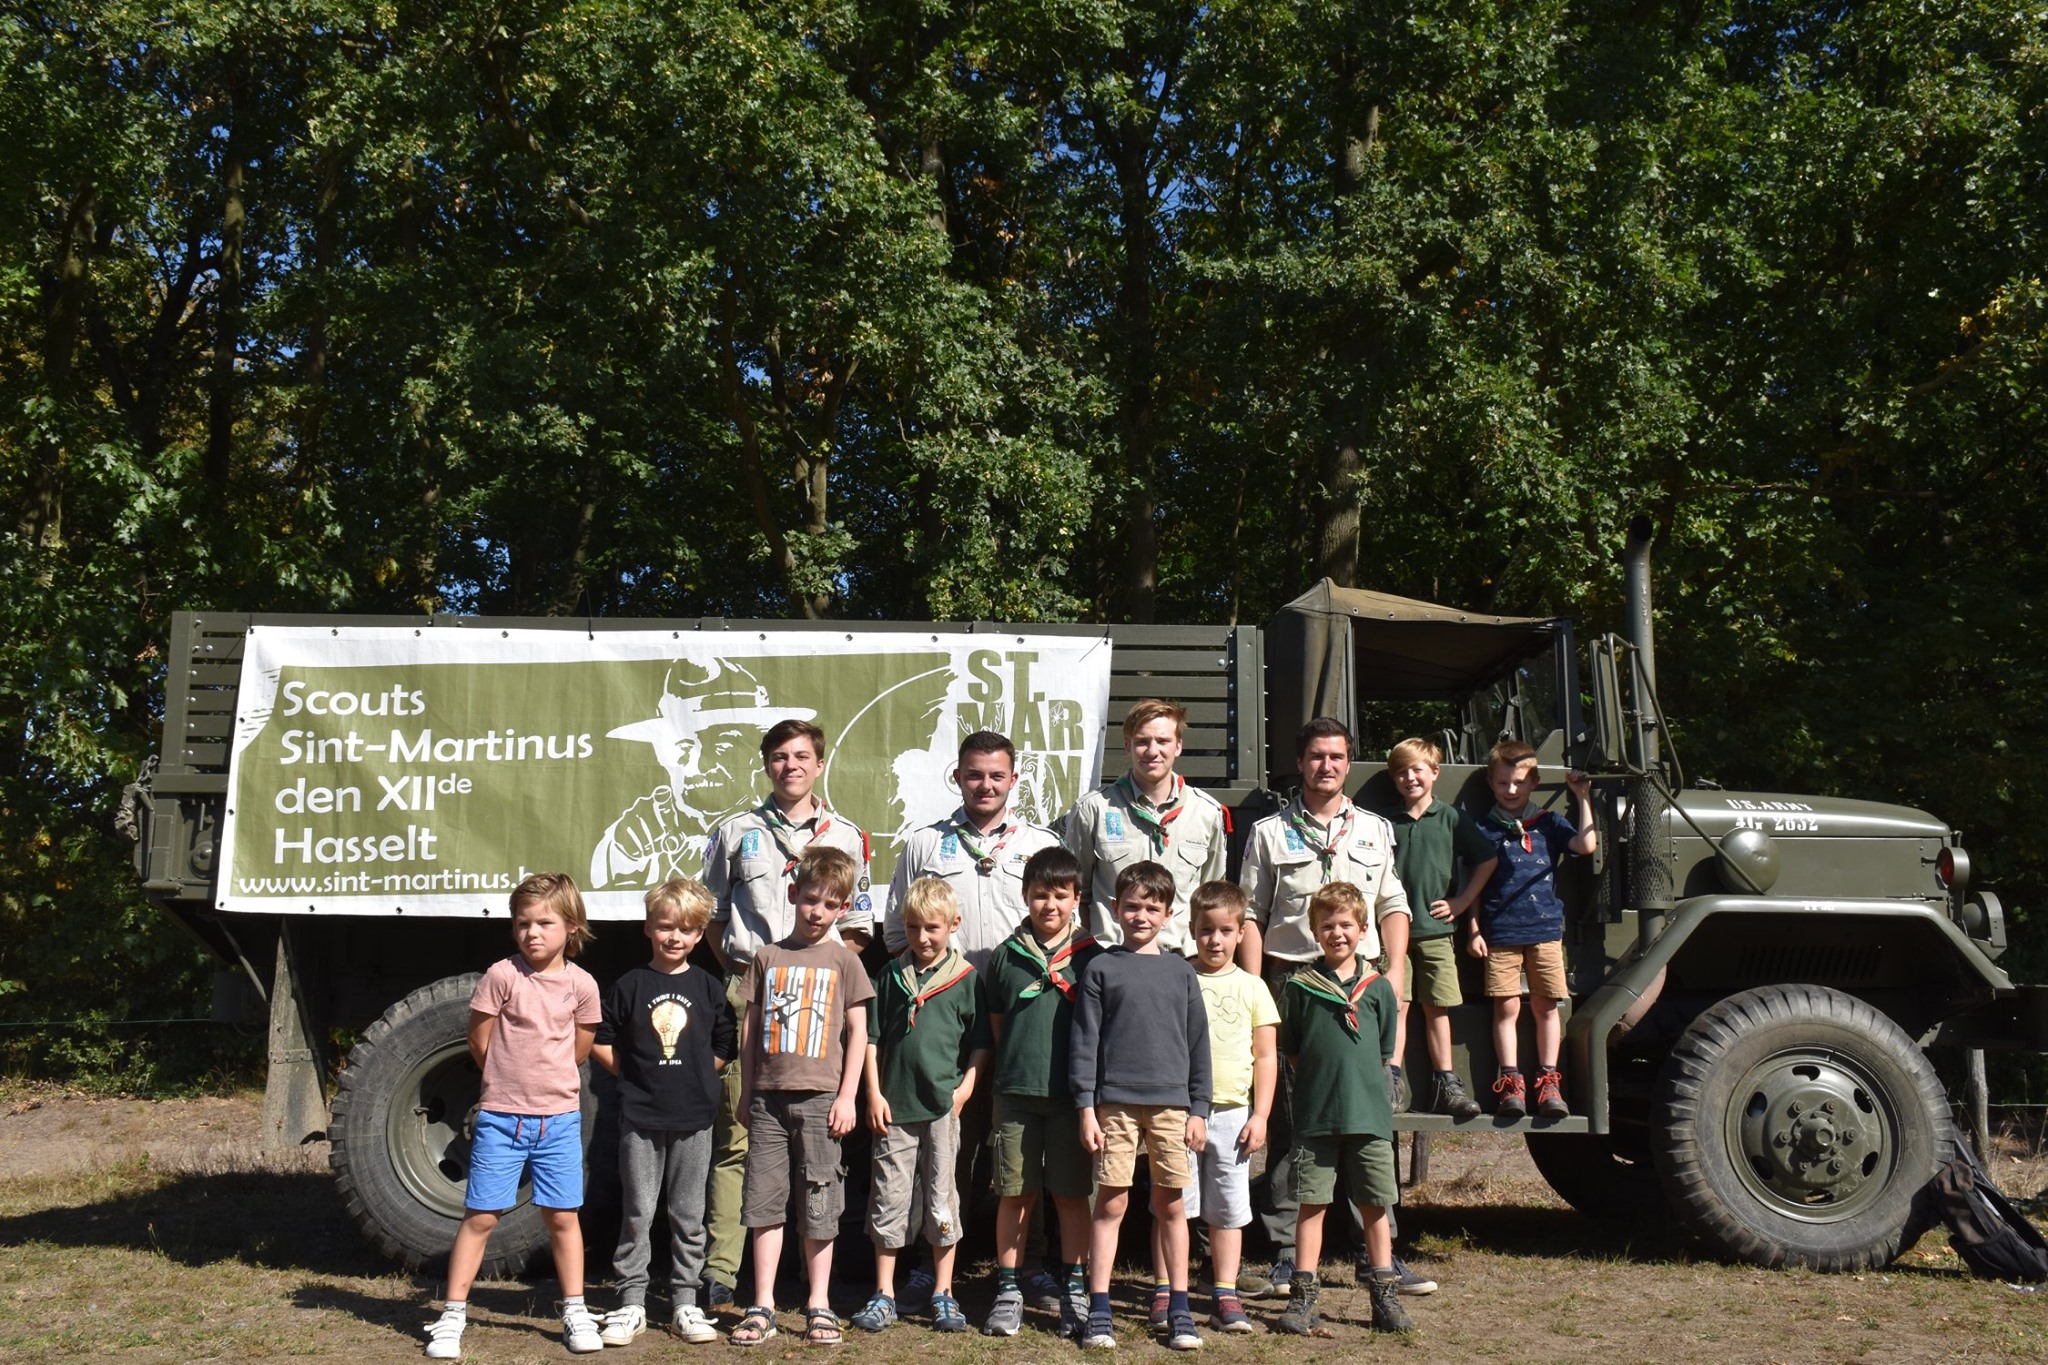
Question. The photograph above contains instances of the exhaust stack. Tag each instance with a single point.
(1649, 821)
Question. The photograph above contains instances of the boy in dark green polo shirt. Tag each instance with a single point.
(1029, 986)
(929, 1046)
(1430, 836)
(1337, 1031)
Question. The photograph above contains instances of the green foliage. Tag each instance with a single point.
(1103, 308)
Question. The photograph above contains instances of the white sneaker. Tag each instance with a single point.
(579, 1330)
(692, 1326)
(444, 1335)
(621, 1325)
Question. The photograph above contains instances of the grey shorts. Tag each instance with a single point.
(789, 1131)
(914, 1166)
(1222, 1193)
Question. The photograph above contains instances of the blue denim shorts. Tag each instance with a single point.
(508, 1144)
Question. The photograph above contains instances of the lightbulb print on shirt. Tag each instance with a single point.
(797, 1013)
(668, 1017)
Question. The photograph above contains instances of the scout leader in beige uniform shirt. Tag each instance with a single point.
(1319, 837)
(1150, 813)
(979, 850)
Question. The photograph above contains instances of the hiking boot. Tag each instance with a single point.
(579, 1331)
(444, 1335)
(1181, 1332)
(1229, 1315)
(1450, 1098)
(1384, 1286)
(692, 1326)
(1006, 1316)
(1513, 1094)
(1397, 1089)
(1252, 1285)
(1300, 1318)
(623, 1324)
(1550, 1095)
(1278, 1280)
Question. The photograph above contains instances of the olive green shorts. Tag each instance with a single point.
(1433, 972)
(1366, 1163)
(1038, 1148)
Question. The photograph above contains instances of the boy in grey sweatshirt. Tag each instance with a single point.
(1140, 1074)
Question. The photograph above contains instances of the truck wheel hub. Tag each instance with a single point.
(1812, 1135)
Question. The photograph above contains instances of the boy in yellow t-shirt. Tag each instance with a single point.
(1244, 1027)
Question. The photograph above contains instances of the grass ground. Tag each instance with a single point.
(157, 1233)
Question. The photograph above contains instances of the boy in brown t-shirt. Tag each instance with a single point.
(802, 1044)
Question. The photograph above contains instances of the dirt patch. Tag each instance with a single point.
(157, 1232)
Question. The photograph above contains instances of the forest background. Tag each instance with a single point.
(1022, 310)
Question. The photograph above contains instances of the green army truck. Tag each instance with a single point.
(1756, 978)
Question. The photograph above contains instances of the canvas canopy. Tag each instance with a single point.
(1333, 647)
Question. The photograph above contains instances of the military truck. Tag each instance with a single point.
(1756, 978)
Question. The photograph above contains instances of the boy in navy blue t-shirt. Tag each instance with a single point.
(1521, 920)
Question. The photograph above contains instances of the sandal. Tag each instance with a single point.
(821, 1327)
(756, 1327)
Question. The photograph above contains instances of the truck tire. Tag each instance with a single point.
(1591, 1174)
(403, 1118)
(1796, 1125)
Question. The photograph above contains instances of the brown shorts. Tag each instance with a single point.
(789, 1133)
(1544, 963)
(1160, 1131)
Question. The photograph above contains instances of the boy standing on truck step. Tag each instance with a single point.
(1430, 837)
(1030, 987)
(1521, 920)
(803, 1043)
(532, 1020)
(926, 1052)
(1150, 814)
(750, 870)
(1337, 1031)
(667, 1034)
(1317, 839)
(1140, 1072)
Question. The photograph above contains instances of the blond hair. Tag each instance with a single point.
(687, 901)
(930, 900)
(1410, 752)
(1332, 898)
(557, 891)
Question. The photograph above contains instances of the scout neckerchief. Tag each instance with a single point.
(984, 855)
(1025, 944)
(949, 971)
(1318, 982)
(783, 831)
(1514, 825)
(1155, 819)
(1326, 853)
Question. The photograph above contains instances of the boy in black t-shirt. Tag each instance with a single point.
(667, 1033)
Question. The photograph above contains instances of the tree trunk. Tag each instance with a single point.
(1343, 461)
(227, 312)
(1137, 585)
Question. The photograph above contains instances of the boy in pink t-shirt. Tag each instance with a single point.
(532, 1020)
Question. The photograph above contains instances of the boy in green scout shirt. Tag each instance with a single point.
(1430, 837)
(1337, 1031)
(929, 1045)
(1029, 986)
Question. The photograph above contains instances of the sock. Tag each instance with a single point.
(1383, 1272)
(1176, 1300)
(1511, 1071)
(1160, 1287)
(1077, 1277)
(1007, 1281)
(459, 1307)
(1223, 1287)
(1098, 1305)
(570, 1301)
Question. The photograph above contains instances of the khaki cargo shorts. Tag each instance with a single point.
(1543, 962)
